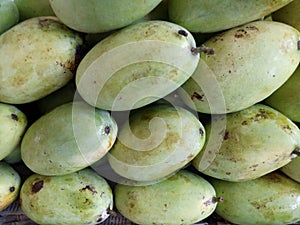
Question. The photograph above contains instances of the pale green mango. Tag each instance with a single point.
(10, 183)
(286, 98)
(38, 56)
(247, 65)
(9, 15)
(96, 16)
(216, 15)
(81, 197)
(251, 143)
(155, 142)
(69, 138)
(13, 123)
(136, 66)
(184, 198)
(292, 169)
(15, 155)
(33, 8)
(270, 199)
(289, 14)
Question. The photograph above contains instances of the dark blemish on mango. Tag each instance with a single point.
(89, 188)
(12, 189)
(252, 27)
(14, 117)
(226, 135)
(107, 130)
(197, 96)
(37, 186)
(183, 33)
(245, 122)
(228, 173)
(201, 132)
(298, 43)
(206, 50)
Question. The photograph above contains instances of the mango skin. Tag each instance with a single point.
(136, 66)
(286, 98)
(38, 57)
(243, 70)
(252, 143)
(203, 16)
(10, 184)
(270, 199)
(155, 142)
(9, 15)
(82, 197)
(184, 198)
(13, 124)
(69, 138)
(32, 8)
(292, 169)
(97, 16)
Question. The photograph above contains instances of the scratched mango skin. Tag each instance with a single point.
(243, 69)
(136, 66)
(270, 199)
(251, 143)
(203, 16)
(97, 16)
(81, 197)
(184, 198)
(10, 184)
(38, 56)
(70, 137)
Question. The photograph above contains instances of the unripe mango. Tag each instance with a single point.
(9, 15)
(136, 66)
(247, 65)
(292, 169)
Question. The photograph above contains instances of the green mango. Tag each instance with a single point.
(203, 16)
(82, 197)
(14, 156)
(33, 8)
(38, 56)
(247, 64)
(289, 14)
(286, 98)
(270, 199)
(136, 66)
(69, 138)
(155, 142)
(184, 198)
(13, 123)
(292, 169)
(248, 144)
(9, 15)
(10, 184)
(97, 16)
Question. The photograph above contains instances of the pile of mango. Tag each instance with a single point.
(165, 111)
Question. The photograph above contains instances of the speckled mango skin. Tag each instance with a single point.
(97, 16)
(249, 63)
(136, 66)
(38, 56)
(10, 184)
(13, 124)
(286, 98)
(203, 16)
(270, 199)
(253, 142)
(292, 169)
(69, 138)
(184, 198)
(155, 142)
(79, 198)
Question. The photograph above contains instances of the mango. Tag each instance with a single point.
(247, 64)
(97, 16)
(14, 156)
(203, 16)
(10, 184)
(184, 198)
(286, 98)
(32, 8)
(38, 56)
(82, 197)
(155, 142)
(270, 199)
(9, 15)
(292, 169)
(70, 137)
(13, 124)
(136, 66)
(250, 144)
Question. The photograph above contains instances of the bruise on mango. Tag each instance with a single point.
(37, 186)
